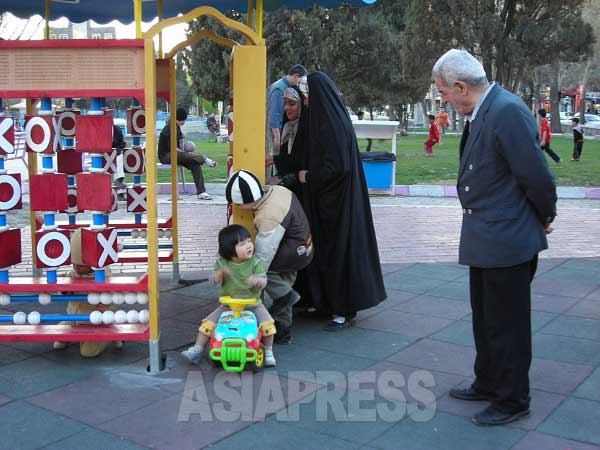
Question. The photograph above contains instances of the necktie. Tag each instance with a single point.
(465, 136)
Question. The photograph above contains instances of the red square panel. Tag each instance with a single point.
(10, 243)
(48, 192)
(134, 161)
(136, 199)
(7, 135)
(94, 192)
(136, 121)
(10, 191)
(40, 134)
(94, 133)
(69, 161)
(99, 247)
(52, 248)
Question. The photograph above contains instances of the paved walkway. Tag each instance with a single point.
(381, 384)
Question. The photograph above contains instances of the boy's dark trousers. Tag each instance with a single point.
(551, 153)
(577, 148)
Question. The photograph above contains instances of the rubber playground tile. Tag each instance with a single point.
(447, 432)
(546, 264)
(576, 419)
(566, 288)
(9, 355)
(205, 291)
(585, 308)
(405, 379)
(454, 290)
(36, 375)
(460, 333)
(176, 334)
(566, 349)
(582, 276)
(551, 303)
(406, 324)
(112, 395)
(578, 327)
(356, 341)
(248, 396)
(4, 399)
(436, 271)
(27, 427)
(110, 359)
(270, 434)
(557, 377)
(537, 440)
(435, 306)
(438, 356)
(590, 388)
(583, 264)
(174, 305)
(409, 283)
(394, 267)
(175, 423)
(96, 438)
(594, 295)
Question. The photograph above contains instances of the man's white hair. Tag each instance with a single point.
(459, 65)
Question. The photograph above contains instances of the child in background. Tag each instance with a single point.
(241, 275)
(434, 136)
(80, 270)
(546, 136)
(577, 139)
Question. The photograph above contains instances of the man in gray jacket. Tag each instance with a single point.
(508, 196)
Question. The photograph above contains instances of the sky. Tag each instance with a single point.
(34, 29)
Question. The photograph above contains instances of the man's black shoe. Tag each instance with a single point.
(468, 394)
(492, 416)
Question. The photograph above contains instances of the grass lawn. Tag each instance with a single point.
(414, 168)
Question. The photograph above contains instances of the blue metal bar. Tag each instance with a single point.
(123, 233)
(2, 219)
(46, 104)
(98, 219)
(47, 162)
(96, 104)
(1, 160)
(49, 219)
(68, 102)
(70, 180)
(137, 179)
(0, 104)
(144, 247)
(53, 318)
(72, 219)
(3, 276)
(137, 141)
(97, 162)
(134, 102)
(51, 276)
(99, 275)
(54, 298)
(106, 219)
(138, 218)
(69, 142)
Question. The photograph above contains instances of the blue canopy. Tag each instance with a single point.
(103, 11)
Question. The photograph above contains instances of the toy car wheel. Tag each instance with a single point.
(258, 364)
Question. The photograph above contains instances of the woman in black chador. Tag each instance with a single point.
(336, 202)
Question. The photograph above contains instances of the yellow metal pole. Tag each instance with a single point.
(259, 17)
(250, 13)
(46, 18)
(137, 16)
(173, 145)
(159, 7)
(150, 107)
(32, 169)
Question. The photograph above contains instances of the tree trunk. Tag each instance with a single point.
(554, 98)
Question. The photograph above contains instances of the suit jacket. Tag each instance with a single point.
(505, 187)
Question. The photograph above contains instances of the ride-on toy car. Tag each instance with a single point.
(236, 341)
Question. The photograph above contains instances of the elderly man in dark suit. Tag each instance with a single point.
(508, 197)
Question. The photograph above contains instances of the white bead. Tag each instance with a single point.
(134, 233)
(132, 316)
(20, 318)
(144, 316)
(93, 298)
(130, 298)
(120, 317)
(96, 317)
(117, 298)
(143, 233)
(106, 298)
(120, 247)
(44, 299)
(168, 233)
(33, 318)
(142, 298)
(160, 233)
(4, 299)
(108, 317)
